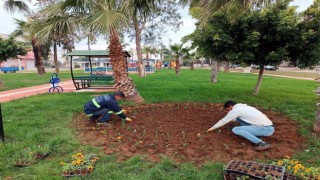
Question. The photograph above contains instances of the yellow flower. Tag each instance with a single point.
(79, 155)
(308, 170)
(78, 162)
(289, 167)
(90, 168)
(280, 163)
(62, 163)
(295, 172)
(74, 162)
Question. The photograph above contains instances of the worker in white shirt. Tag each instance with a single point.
(253, 123)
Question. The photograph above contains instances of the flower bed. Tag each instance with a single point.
(80, 165)
(31, 155)
(296, 170)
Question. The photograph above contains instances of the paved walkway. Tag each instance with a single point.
(67, 86)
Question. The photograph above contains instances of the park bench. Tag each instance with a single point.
(9, 69)
(92, 80)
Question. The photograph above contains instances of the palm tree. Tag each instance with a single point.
(56, 28)
(36, 47)
(106, 18)
(177, 51)
(139, 9)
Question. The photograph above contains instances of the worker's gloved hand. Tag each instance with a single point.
(211, 129)
(125, 111)
(128, 119)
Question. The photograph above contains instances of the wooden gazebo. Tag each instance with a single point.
(81, 82)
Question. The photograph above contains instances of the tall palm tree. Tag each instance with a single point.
(139, 9)
(55, 29)
(106, 18)
(36, 47)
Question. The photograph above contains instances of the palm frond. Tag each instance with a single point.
(16, 6)
(103, 21)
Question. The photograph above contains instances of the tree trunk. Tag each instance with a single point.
(192, 65)
(226, 67)
(316, 126)
(55, 57)
(218, 66)
(141, 71)
(214, 74)
(122, 81)
(37, 50)
(256, 90)
(88, 43)
(177, 66)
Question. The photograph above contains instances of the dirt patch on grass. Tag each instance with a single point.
(178, 131)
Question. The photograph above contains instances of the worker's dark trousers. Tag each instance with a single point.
(94, 115)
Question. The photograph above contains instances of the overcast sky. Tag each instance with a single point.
(188, 27)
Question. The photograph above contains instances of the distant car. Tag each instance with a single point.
(234, 65)
(271, 68)
(255, 66)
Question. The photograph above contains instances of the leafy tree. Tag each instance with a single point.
(264, 36)
(9, 48)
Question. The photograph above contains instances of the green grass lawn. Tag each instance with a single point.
(45, 119)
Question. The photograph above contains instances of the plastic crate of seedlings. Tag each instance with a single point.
(252, 170)
(288, 176)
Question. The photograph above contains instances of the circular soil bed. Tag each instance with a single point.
(178, 131)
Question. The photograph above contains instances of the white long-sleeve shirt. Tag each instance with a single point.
(246, 113)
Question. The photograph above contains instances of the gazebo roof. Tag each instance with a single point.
(93, 53)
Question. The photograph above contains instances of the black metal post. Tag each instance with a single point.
(1, 126)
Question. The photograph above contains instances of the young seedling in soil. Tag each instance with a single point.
(183, 134)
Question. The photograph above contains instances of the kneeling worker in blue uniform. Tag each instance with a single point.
(105, 106)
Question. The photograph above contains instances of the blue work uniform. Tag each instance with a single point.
(104, 106)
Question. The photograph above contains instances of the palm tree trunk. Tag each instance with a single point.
(122, 81)
(177, 66)
(55, 57)
(141, 71)
(37, 50)
(214, 74)
(218, 66)
(258, 85)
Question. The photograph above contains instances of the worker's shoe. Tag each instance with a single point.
(103, 124)
(261, 146)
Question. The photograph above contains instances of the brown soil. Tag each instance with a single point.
(178, 131)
